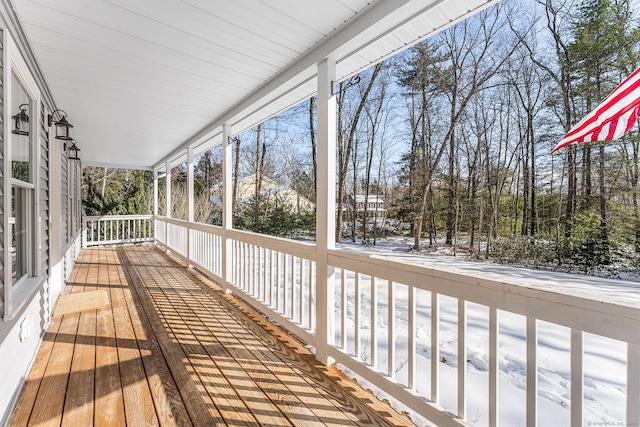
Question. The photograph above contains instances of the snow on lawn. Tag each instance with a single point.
(604, 359)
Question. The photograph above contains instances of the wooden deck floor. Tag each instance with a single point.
(155, 343)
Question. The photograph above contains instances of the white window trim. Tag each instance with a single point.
(16, 296)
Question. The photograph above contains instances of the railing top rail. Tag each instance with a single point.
(294, 247)
(114, 217)
(607, 316)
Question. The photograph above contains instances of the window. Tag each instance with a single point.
(22, 221)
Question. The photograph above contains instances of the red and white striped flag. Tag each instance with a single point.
(614, 117)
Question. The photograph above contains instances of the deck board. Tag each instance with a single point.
(172, 349)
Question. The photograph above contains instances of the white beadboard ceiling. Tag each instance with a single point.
(143, 79)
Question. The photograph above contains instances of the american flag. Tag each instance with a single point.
(614, 117)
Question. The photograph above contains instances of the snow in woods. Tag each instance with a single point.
(604, 359)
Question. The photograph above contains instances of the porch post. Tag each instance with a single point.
(325, 210)
(190, 202)
(155, 201)
(168, 188)
(155, 192)
(167, 179)
(227, 208)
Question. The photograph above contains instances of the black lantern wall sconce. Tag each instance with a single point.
(62, 125)
(62, 132)
(21, 125)
(73, 150)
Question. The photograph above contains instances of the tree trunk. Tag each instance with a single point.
(104, 182)
(259, 159)
(354, 216)
(587, 187)
(236, 173)
(451, 191)
(603, 199)
(525, 192)
(571, 190)
(532, 212)
(314, 151)
(344, 151)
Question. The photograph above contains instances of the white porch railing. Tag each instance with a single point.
(277, 276)
(116, 229)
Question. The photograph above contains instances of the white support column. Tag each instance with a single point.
(168, 188)
(190, 205)
(190, 202)
(227, 208)
(155, 192)
(325, 210)
(168, 211)
(155, 200)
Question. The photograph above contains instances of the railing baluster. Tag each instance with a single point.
(633, 384)
(391, 335)
(356, 316)
(435, 349)
(343, 310)
(301, 299)
(577, 374)
(255, 292)
(236, 262)
(260, 275)
(374, 326)
(293, 287)
(462, 358)
(264, 274)
(285, 271)
(493, 367)
(532, 372)
(285, 284)
(277, 287)
(310, 296)
(411, 359)
(243, 260)
(270, 278)
(209, 252)
(250, 270)
(254, 270)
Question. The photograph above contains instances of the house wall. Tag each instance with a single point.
(56, 229)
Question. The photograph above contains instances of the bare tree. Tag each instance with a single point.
(347, 131)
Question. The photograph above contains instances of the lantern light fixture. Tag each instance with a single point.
(21, 125)
(62, 125)
(73, 150)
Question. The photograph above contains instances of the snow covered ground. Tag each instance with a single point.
(604, 359)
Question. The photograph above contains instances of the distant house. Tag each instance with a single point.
(270, 188)
(373, 205)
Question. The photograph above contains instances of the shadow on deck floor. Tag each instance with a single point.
(165, 346)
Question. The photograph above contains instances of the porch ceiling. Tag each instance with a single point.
(142, 79)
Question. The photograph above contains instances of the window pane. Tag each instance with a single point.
(21, 138)
(19, 235)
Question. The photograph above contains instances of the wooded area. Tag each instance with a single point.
(455, 134)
